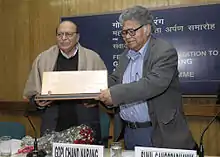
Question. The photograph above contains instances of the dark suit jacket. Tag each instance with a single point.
(160, 88)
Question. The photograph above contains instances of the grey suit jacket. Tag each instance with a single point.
(160, 88)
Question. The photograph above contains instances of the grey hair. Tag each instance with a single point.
(140, 14)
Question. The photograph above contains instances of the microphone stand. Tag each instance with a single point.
(35, 152)
(201, 147)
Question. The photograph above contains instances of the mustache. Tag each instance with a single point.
(127, 42)
(64, 42)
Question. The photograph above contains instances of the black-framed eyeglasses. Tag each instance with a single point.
(131, 32)
(67, 34)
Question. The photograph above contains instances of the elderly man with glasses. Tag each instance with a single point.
(144, 89)
(66, 55)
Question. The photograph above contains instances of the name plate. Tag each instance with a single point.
(163, 152)
(77, 150)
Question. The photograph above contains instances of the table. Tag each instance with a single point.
(125, 153)
(106, 154)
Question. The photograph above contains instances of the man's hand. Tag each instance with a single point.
(88, 105)
(105, 97)
(43, 103)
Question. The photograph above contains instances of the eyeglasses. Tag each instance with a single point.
(67, 34)
(131, 32)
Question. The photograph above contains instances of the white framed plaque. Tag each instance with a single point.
(65, 85)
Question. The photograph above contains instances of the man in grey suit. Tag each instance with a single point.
(145, 87)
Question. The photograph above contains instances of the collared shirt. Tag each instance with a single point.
(68, 57)
(137, 111)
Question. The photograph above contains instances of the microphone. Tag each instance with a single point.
(35, 152)
(201, 147)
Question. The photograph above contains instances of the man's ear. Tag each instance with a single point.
(147, 29)
(77, 38)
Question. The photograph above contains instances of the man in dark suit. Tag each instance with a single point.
(145, 88)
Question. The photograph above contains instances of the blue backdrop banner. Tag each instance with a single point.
(194, 31)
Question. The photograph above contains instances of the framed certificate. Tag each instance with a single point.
(66, 85)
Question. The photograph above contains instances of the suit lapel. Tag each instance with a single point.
(82, 59)
(52, 59)
(124, 63)
(148, 52)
